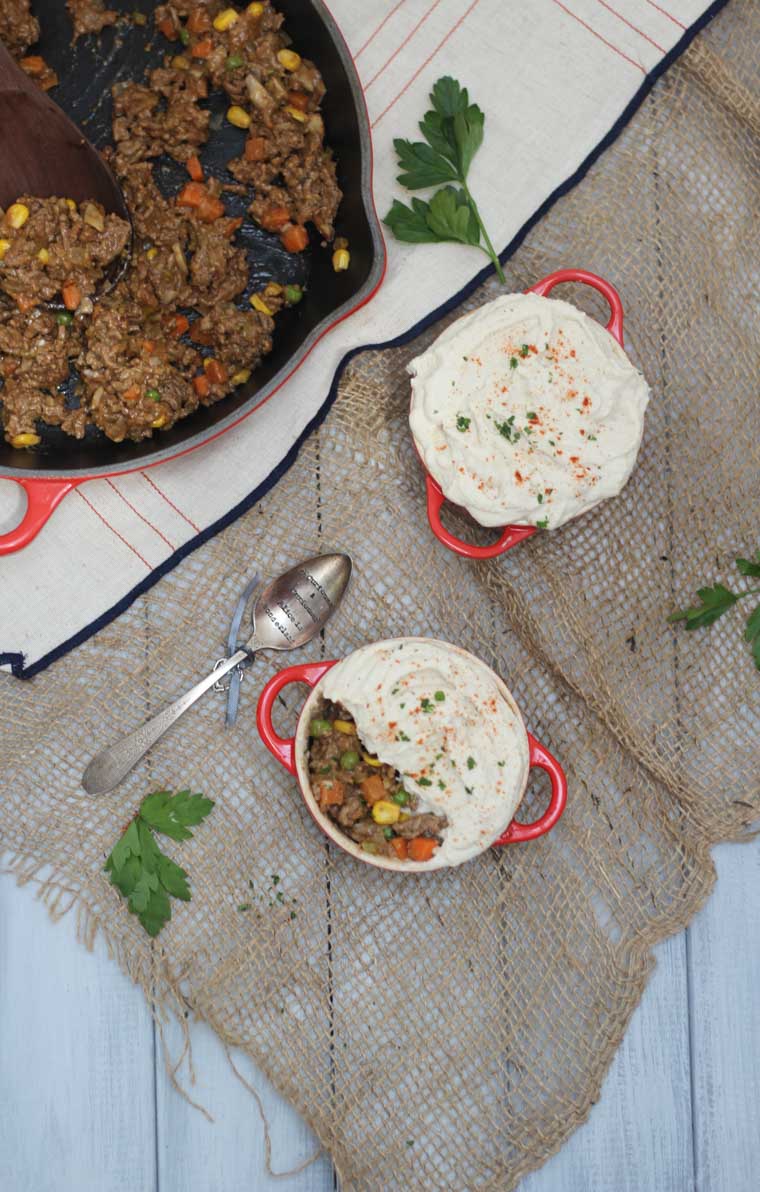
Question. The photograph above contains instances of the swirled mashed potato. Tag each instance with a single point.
(527, 412)
(441, 718)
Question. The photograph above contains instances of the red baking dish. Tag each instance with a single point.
(511, 535)
(87, 71)
(291, 753)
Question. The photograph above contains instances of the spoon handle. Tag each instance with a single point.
(111, 766)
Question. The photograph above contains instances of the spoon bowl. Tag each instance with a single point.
(43, 154)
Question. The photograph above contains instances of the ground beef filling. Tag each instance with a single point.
(176, 332)
(365, 797)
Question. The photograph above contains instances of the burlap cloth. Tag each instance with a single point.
(451, 1031)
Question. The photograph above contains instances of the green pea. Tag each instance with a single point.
(349, 760)
(388, 833)
(320, 728)
(153, 394)
(65, 318)
(400, 797)
(233, 62)
(293, 295)
(184, 36)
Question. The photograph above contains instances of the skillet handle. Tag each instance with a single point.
(42, 497)
(615, 325)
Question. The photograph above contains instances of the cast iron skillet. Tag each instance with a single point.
(87, 71)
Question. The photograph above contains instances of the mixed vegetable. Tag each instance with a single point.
(364, 796)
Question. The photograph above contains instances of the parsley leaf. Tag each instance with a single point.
(137, 867)
(453, 131)
(718, 599)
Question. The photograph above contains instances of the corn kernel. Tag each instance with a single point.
(403, 817)
(259, 304)
(26, 440)
(385, 813)
(255, 9)
(225, 20)
(289, 59)
(371, 761)
(296, 113)
(272, 288)
(344, 726)
(17, 215)
(240, 377)
(238, 116)
(4, 246)
(341, 260)
(151, 253)
(70, 204)
(43, 256)
(157, 423)
(180, 62)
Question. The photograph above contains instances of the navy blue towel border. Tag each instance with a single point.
(16, 660)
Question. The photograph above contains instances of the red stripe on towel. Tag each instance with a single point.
(594, 33)
(171, 504)
(113, 531)
(428, 60)
(665, 13)
(404, 43)
(382, 24)
(137, 513)
(635, 28)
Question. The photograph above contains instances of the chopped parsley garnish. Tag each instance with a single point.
(462, 422)
(542, 525)
(471, 763)
(394, 691)
(591, 438)
(513, 362)
(440, 696)
(540, 498)
(469, 789)
(532, 415)
(441, 784)
(401, 736)
(501, 763)
(507, 429)
(426, 704)
(524, 350)
(425, 781)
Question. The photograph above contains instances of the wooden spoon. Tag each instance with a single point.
(43, 154)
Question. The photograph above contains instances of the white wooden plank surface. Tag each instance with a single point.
(83, 1108)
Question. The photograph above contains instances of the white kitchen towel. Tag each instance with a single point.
(557, 80)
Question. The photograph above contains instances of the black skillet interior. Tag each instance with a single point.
(87, 71)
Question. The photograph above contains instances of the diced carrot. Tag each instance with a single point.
(132, 393)
(148, 347)
(181, 325)
(233, 225)
(72, 295)
(198, 335)
(295, 238)
(373, 789)
(274, 219)
(421, 848)
(25, 303)
(9, 366)
(298, 99)
(199, 21)
(210, 208)
(330, 794)
(399, 846)
(192, 194)
(33, 65)
(194, 168)
(166, 26)
(215, 371)
(202, 49)
(255, 149)
(202, 385)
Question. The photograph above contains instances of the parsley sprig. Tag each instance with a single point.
(137, 867)
(453, 132)
(718, 599)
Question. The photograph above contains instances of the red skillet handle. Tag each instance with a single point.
(283, 748)
(615, 326)
(510, 535)
(42, 496)
(541, 758)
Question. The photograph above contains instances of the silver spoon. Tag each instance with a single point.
(289, 612)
